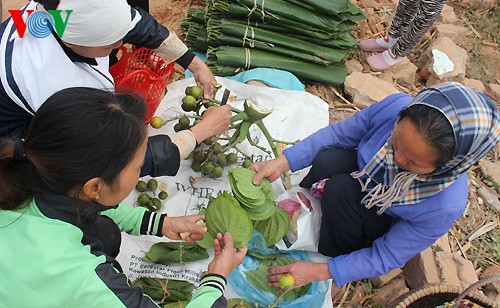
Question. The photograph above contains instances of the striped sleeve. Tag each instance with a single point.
(136, 220)
(212, 287)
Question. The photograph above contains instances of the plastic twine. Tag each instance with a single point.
(247, 59)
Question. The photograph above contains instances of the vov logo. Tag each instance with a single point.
(40, 24)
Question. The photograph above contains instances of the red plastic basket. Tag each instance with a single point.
(144, 73)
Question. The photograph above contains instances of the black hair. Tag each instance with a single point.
(76, 135)
(49, 4)
(434, 128)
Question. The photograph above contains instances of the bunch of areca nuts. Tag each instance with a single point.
(152, 203)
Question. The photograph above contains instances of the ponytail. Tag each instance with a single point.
(14, 174)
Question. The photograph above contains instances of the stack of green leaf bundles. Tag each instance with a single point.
(308, 38)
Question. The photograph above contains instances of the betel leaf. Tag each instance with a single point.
(224, 214)
(165, 290)
(175, 252)
(207, 241)
(257, 200)
(275, 227)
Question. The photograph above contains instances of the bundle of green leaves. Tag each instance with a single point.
(175, 252)
(165, 290)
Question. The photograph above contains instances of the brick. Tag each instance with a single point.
(390, 292)
(384, 279)
(421, 270)
(447, 267)
(442, 244)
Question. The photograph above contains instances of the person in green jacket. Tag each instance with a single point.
(78, 160)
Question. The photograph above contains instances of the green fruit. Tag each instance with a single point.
(143, 199)
(232, 158)
(217, 148)
(194, 91)
(188, 103)
(222, 160)
(246, 163)
(286, 281)
(155, 204)
(200, 156)
(141, 186)
(156, 122)
(217, 172)
(208, 141)
(152, 184)
(196, 121)
(163, 195)
(208, 167)
(196, 166)
(213, 158)
(184, 121)
(178, 127)
(187, 91)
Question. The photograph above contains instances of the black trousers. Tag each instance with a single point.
(346, 224)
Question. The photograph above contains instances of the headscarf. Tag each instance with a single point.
(474, 119)
(96, 23)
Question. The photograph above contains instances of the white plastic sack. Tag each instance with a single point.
(295, 115)
(306, 233)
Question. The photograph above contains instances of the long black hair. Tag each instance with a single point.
(76, 135)
(434, 128)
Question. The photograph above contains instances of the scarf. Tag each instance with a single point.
(474, 119)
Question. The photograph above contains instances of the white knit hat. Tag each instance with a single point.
(96, 23)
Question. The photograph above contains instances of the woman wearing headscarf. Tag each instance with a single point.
(37, 60)
(392, 179)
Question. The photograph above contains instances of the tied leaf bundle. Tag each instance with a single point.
(308, 38)
(165, 290)
(258, 278)
(227, 60)
(175, 252)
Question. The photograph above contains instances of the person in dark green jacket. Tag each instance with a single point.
(79, 159)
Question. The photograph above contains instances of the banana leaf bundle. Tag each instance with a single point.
(165, 290)
(236, 10)
(225, 61)
(175, 252)
(341, 39)
(227, 32)
(197, 37)
(193, 16)
(332, 7)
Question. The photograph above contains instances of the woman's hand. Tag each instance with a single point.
(203, 76)
(303, 272)
(226, 257)
(215, 120)
(174, 226)
(271, 169)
